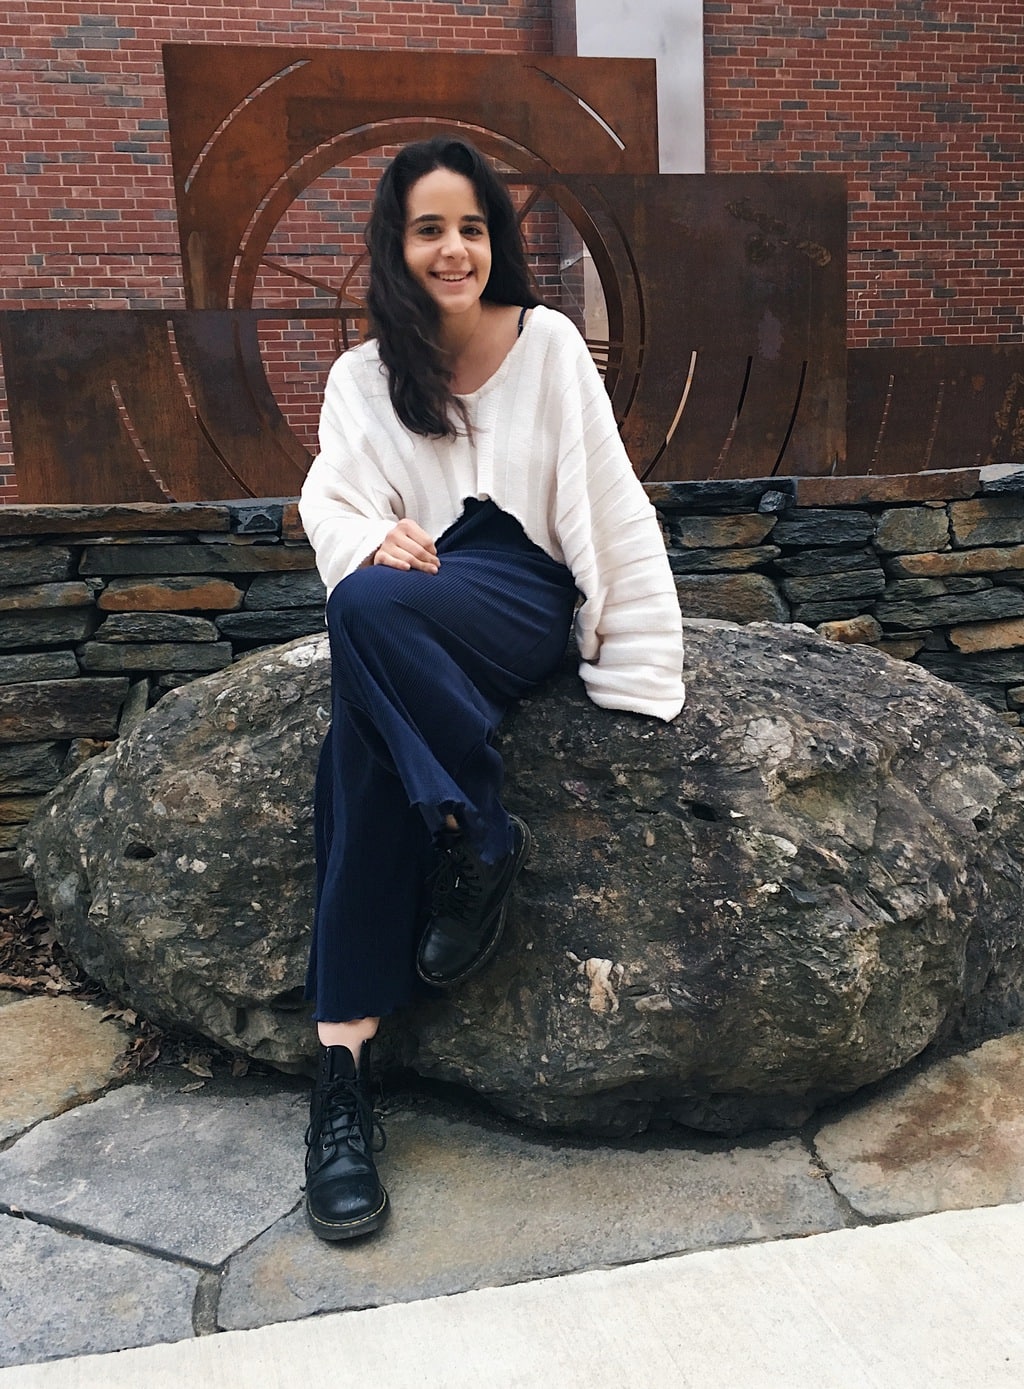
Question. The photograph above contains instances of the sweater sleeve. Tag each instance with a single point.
(629, 627)
(346, 506)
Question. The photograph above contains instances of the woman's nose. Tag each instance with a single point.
(451, 243)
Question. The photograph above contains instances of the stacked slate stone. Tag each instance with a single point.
(720, 546)
(105, 608)
(961, 603)
(745, 551)
(937, 582)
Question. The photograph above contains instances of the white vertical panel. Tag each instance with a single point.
(671, 31)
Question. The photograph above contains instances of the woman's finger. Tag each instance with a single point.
(407, 546)
(408, 535)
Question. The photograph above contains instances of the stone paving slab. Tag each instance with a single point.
(54, 1052)
(950, 1137)
(63, 1296)
(472, 1207)
(935, 1303)
(191, 1175)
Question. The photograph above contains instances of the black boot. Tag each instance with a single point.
(467, 915)
(344, 1196)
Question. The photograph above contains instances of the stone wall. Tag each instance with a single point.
(105, 608)
(938, 581)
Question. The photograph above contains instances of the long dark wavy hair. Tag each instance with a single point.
(403, 317)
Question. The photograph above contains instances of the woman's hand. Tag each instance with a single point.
(408, 546)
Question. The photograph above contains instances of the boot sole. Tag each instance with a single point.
(348, 1229)
(485, 955)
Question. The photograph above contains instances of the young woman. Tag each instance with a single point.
(470, 487)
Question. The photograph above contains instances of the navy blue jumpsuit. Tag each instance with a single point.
(423, 668)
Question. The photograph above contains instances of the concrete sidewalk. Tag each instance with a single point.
(922, 1304)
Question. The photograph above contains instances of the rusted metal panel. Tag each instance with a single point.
(725, 356)
(725, 295)
(220, 354)
(251, 128)
(726, 302)
(69, 444)
(915, 409)
(143, 405)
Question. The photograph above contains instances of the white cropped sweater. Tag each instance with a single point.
(544, 447)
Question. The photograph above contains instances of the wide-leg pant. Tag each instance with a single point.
(424, 666)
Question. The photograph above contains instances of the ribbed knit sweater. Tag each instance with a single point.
(545, 448)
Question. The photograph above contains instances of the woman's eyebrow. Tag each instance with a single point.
(437, 217)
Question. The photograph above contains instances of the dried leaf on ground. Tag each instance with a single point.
(125, 1015)
(32, 961)
(21, 982)
(144, 1049)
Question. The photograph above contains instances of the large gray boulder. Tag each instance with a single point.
(811, 875)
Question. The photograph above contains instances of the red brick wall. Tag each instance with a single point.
(86, 202)
(921, 104)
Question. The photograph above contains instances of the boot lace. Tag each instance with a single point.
(457, 887)
(343, 1112)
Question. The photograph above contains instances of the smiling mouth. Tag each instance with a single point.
(452, 279)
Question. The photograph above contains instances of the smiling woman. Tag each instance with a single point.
(470, 485)
(441, 210)
(448, 253)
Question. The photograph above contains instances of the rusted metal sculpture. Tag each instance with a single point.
(150, 405)
(726, 310)
(725, 295)
(710, 369)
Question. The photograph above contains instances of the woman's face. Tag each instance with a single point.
(447, 246)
